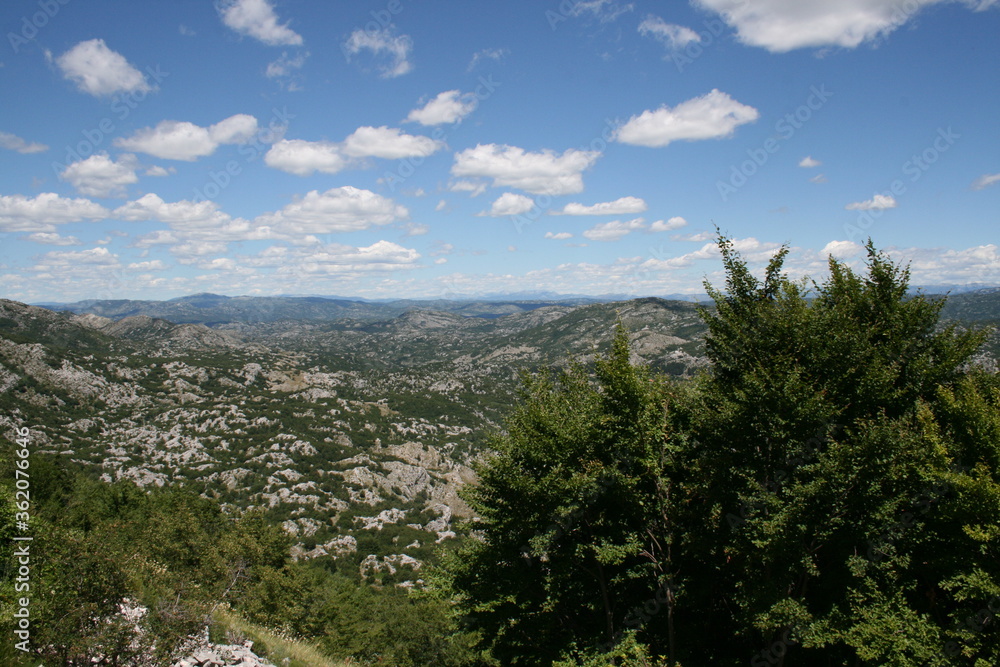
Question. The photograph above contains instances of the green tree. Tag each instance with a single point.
(572, 505)
(823, 472)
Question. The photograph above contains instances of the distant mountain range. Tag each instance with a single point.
(972, 302)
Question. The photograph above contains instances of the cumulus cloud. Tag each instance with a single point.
(784, 25)
(808, 162)
(978, 264)
(841, 249)
(473, 188)
(695, 237)
(68, 262)
(236, 129)
(876, 203)
(100, 176)
(543, 172)
(711, 116)
(99, 71)
(151, 265)
(15, 143)
(52, 238)
(180, 214)
(256, 18)
(303, 158)
(674, 37)
(391, 51)
(510, 204)
(622, 206)
(336, 258)
(558, 236)
(670, 225)
(181, 140)
(42, 212)
(450, 106)
(985, 181)
(614, 230)
(344, 209)
(389, 143)
(197, 229)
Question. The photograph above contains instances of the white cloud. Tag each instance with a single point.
(473, 188)
(344, 209)
(491, 54)
(236, 129)
(391, 51)
(99, 71)
(15, 143)
(415, 229)
(696, 237)
(450, 106)
(68, 262)
(876, 203)
(670, 225)
(808, 162)
(388, 143)
(191, 223)
(100, 176)
(558, 236)
(622, 206)
(978, 264)
(218, 264)
(180, 214)
(335, 258)
(614, 230)
(442, 248)
(818, 178)
(302, 158)
(711, 116)
(256, 18)
(510, 204)
(197, 229)
(40, 213)
(841, 249)
(784, 25)
(675, 37)
(544, 172)
(52, 238)
(188, 252)
(285, 65)
(181, 140)
(605, 11)
(158, 171)
(985, 180)
(151, 265)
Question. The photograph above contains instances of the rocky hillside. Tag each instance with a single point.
(353, 433)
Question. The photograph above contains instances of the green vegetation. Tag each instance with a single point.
(828, 494)
(175, 562)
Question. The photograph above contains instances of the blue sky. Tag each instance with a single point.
(399, 148)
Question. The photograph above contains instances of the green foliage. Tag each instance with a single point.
(565, 505)
(822, 475)
(826, 494)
